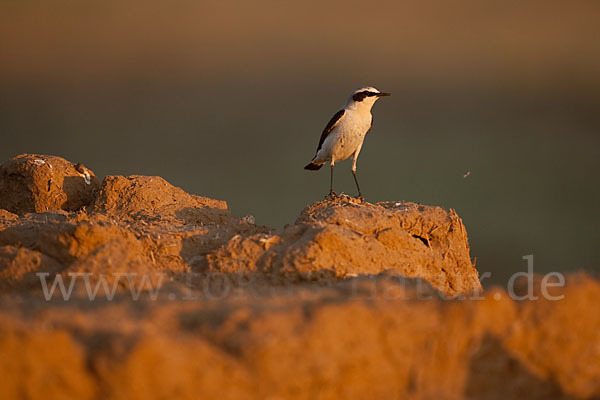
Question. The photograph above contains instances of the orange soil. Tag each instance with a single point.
(352, 300)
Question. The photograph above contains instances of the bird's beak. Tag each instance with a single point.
(383, 94)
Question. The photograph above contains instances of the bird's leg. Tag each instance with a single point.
(360, 196)
(331, 192)
(354, 175)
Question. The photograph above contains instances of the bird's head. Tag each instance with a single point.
(365, 97)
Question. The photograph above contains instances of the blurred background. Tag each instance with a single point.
(227, 99)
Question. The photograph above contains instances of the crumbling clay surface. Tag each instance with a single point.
(140, 290)
(39, 183)
(145, 226)
(345, 237)
(159, 234)
(150, 197)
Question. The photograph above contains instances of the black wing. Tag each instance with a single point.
(330, 125)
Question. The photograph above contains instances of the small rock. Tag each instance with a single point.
(40, 183)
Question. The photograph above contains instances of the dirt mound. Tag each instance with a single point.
(352, 300)
(138, 226)
(39, 183)
(151, 197)
(345, 237)
(364, 338)
(144, 225)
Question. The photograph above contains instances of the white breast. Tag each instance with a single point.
(347, 136)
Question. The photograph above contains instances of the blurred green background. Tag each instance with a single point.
(228, 99)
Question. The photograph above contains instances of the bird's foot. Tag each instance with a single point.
(360, 198)
(332, 196)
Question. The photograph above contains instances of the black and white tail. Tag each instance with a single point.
(312, 166)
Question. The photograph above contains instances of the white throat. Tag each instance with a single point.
(363, 106)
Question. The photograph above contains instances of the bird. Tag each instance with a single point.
(344, 134)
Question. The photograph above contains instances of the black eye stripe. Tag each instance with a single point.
(360, 96)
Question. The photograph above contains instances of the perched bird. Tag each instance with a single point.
(344, 134)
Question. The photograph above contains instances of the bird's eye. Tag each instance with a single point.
(360, 96)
